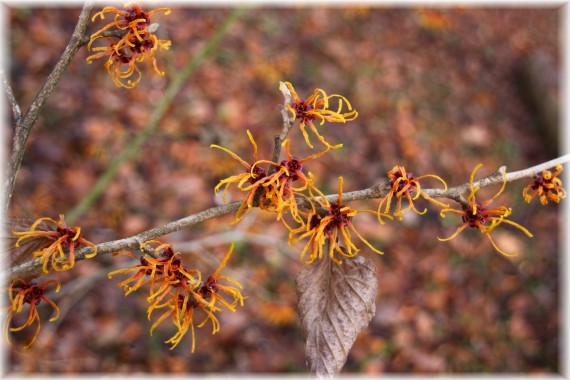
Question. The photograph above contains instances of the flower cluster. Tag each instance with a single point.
(248, 181)
(131, 38)
(57, 241)
(21, 293)
(332, 225)
(274, 189)
(179, 291)
(477, 215)
(315, 107)
(546, 186)
(285, 187)
(402, 185)
(279, 187)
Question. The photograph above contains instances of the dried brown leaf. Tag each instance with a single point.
(335, 303)
(18, 255)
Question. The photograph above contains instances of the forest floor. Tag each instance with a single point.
(437, 91)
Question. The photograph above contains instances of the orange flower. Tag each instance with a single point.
(182, 302)
(405, 184)
(129, 51)
(280, 191)
(331, 227)
(62, 237)
(181, 290)
(139, 278)
(20, 293)
(135, 43)
(317, 106)
(547, 186)
(180, 306)
(251, 175)
(276, 191)
(211, 290)
(249, 181)
(134, 18)
(477, 215)
(165, 268)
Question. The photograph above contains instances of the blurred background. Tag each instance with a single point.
(437, 90)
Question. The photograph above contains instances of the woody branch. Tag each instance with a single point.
(25, 123)
(33, 268)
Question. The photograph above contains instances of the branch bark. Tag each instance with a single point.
(32, 269)
(287, 125)
(23, 129)
(16, 112)
(496, 178)
(108, 33)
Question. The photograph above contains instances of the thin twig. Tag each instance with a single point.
(32, 269)
(107, 33)
(496, 178)
(287, 124)
(278, 139)
(531, 172)
(16, 112)
(23, 129)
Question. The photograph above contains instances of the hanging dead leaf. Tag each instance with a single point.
(335, 303)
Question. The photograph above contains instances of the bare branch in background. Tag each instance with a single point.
(23, 129)
(16, 112)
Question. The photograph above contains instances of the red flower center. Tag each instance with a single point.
(208, 288)
(301, 109)
(258, 174)
(547, 185)
(135, 12)
(315, 222)
(339, 218)
(294, 167)
(69, 234)
(34, 293)
(477, 219)
(409, 179)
